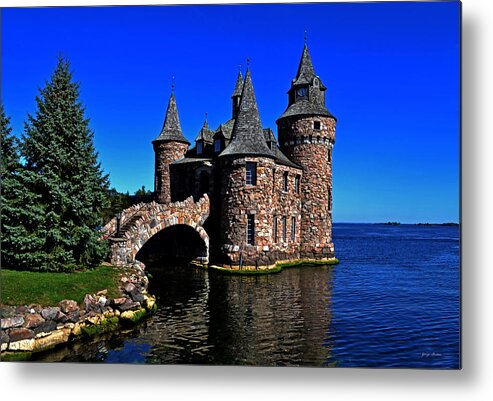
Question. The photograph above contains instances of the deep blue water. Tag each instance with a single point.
(393, 301)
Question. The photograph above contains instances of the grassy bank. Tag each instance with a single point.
(22, 287)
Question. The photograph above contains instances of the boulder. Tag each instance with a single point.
(20, 334)
(50, 313)
(32, 320)
(46, 327)
(21, 309)
(73, 317)
(129, 287)
(137, 295)
(23, 345)
(4, 340)
(128, 305)
(119, 301)
(89, 301)
(10, 322)
(68, 305)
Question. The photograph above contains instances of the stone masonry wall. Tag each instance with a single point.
(312, 149)
(165, 153)
(264, 200)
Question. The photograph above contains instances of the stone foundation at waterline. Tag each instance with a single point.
(33, 328)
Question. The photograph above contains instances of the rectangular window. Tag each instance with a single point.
(200, 147)
(297, 184)
(285, 182)
(284, 228)
(275, 229)
(251, 173)
(217, 145)
(316, 125)
(293, 228)
(251, 229)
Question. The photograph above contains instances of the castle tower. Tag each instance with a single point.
(246, 168)
(169, 146)
(236, 96)
(306, 132)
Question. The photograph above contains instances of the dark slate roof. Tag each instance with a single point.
(238, 86)
(205, 134)
(305, 107)
(281, 158)
(225, 129)
(247, 137)
(171, 130)
(269, 135)
(305, 73)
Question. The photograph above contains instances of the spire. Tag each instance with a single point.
(171, 130)
(247, 137)
(305, 73)
(239, 84)
(205, 134)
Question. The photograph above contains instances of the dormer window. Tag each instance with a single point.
(316, 125)
(302, 92)
(200, 147)
(217, 145)
(269, 144)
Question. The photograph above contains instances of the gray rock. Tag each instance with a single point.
(68, 305)
(73, 317)
(128, 305)
(32, 320)
(20, 334)
(137, 296)
(4, 337)
(46, 327)
(9, 322)
(50, 313)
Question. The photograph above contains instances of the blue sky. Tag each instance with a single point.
(391, 69)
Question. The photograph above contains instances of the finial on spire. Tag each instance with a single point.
(206, 116)
(248, 62)
(173, 84)
(305, 36)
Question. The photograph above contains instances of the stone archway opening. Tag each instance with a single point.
(176, 245)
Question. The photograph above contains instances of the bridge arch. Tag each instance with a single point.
(141, 222)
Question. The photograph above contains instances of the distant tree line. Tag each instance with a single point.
(54, 193)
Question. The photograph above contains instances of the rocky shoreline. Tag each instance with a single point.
(33, 328)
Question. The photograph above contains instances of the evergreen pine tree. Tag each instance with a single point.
(20, 209)
(63, 175)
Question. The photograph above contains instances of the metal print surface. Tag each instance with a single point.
(174, 190)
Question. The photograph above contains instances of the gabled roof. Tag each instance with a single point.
(205, 134)
(248, 136)
(171, 130)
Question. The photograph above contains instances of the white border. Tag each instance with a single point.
(127, 382)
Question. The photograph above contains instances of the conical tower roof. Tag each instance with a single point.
(248, 136)
(171, 130)
(306, 72)
(238, 86)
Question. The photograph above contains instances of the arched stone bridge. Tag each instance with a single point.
(140, 222)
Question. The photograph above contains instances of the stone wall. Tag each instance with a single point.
(150, 218)
(165, 153)
(34, 328)
(311, 147)
(264, 200)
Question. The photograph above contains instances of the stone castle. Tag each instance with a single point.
(271, 200)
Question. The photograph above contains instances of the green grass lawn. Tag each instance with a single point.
(47, 289)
